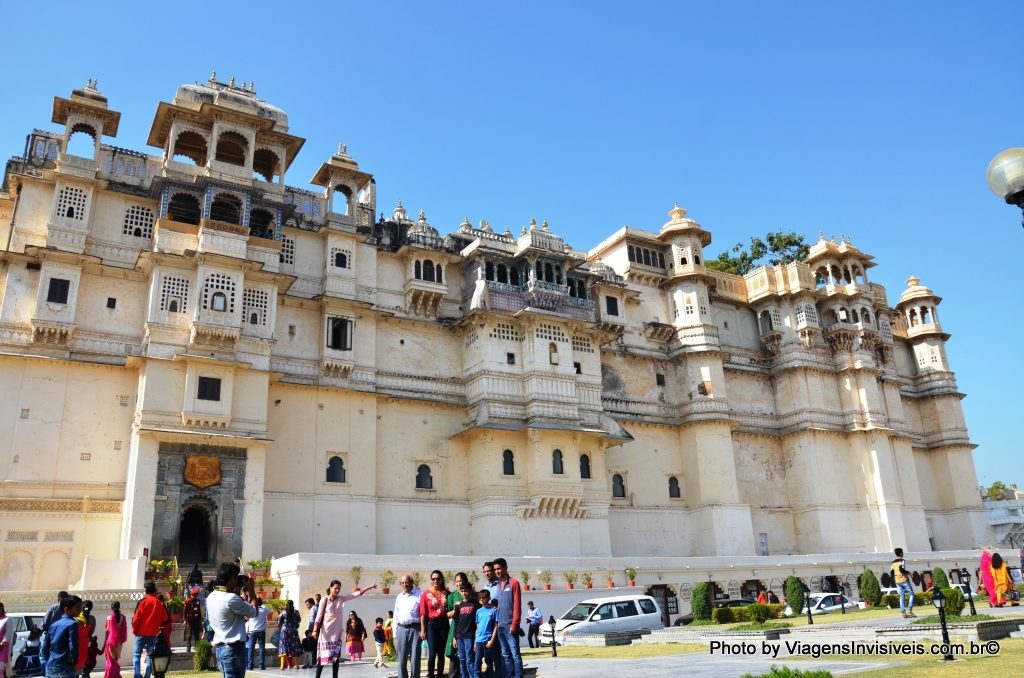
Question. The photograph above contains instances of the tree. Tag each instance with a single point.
(998, 491)
(700, 601)
(780, 248)
(870, 589)
(795, 594)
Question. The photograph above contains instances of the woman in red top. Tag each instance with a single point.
(434, 623)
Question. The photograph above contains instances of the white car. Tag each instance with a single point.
(823, 603)
(19, 624)
(605, 615)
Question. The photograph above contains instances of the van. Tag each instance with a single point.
(605, 615)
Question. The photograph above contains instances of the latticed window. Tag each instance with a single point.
(801, 315)
(582, 344)
(138, 221)
(550, 333)
(71, 203)
(812, 315)
(886, 329)
(287, 250)
(506, 332)
(254, 306)
(218, 285)
(173, 294)
(776, 318)
(108, 163)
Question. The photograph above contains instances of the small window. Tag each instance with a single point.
(336, 470)
(340, 260)
(209, 388)
(58, 292)
(111, 302)
(659, 378)
(557, 466)
(673, 488)
(510, 358)
(618, 486)
(219, 302)
(553, 353)
(611, 305)
(584, 466)
(172, 306)
(254, 318)
(508, 463)
(578, 367)
(424, 481)
(339, 333)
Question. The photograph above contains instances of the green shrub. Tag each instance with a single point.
(759, 612)
(700, 601)
(776, 610)
(939, 578)
(201, 658)
(954, 602)
(789, 672)
(723, 615)
(870, 589)
(889, 600)
(795, 594)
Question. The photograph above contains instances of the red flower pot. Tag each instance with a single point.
(547, 587)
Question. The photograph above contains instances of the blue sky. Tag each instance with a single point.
(872, 119)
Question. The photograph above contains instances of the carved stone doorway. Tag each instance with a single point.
(196, 533)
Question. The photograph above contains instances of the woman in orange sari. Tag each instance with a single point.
(1002, 583)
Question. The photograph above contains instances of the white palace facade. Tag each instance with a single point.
(197, 359)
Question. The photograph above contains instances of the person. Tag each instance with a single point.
(116, 633)
(407, 626)
(192, 612)
(150, 615)
(378, 642)
(289, 649)
(534, 618)
(59, 650)
(486, 633)
(241, 568)
(308, 649)
(451, 648)
(54, 612)
(256, 636)
(510, 602)
(5, 644)
(762, 597)
(92, 651)
(389, 636)
(329, 625)
(772, 598)
(464, 623)
(490, 581)
(493, 659)
(434, 622)
(901, 578)
(355, 634)
(1002, 583)
(226, 614)
(195, 576)
(311, 610)
(85, 635)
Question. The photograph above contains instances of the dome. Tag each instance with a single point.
(399, 214)
(240, 98)
(915, 290)
(602, 269)
(421, 227)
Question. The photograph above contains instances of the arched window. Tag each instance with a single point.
(926, 315)
(673, 488)
(508, 463)
(513, 276)
(82, 141)
(192, 146)
(424, 481)
(683, 261)
(340, 260)
(854, 316)
(184, 208)
(556, 463)
(618, 486)
(335, 470)
(502, 273)
(912, 318)
(418, 270)
(232, 148)
(219, 302)
(437, 272)
(265, 164)
(254, 318)
(172, 306)
(261, 224)
(584, 466)
(227, 208)
(821, 277)
(539, 271)
(489, 271)
(553, 353)
(549, 273)
(558, 274)
(630, 254)
(696, 259)
(865, 315)
(428, 270)
(764, 321)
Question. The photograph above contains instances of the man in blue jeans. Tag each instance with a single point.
(227, 613)
(149, 618)
(901, 578)
(257, 630)
(510, 612)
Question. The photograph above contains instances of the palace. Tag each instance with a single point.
(197, 359)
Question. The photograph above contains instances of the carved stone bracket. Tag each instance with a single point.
(333, 367)
(772, 342)
(53, 333)
(662, 332)
(840, 339)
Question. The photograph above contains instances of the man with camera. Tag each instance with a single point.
(226, 613)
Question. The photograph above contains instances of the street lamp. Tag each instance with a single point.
(551, 623)
(807, 602)
(939, 601)
(965, 577)
(842, 592)
(1006, 176)
(161, 657)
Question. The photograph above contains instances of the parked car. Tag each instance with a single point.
(605, 615)
(19, 624)
(823, 603)
(685, 619)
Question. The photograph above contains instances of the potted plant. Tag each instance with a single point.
(631, 575)
(610, 573)
(168, 566)
(588, 579)
(152, 567)
(387, 578)
(356, 571)
(175, 605)
(275, 606)
(524, 576)
(545, 578)
(570, 578)
(261, 582)
(254, 565)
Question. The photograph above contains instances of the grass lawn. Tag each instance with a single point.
(830, 618)
(617, 652)
(1007, 663)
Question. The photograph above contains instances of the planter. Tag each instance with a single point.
(266, 574)
(175, 617)
(275, 594)
(387, 589)
(611, 584)
(547, 587)
(570, 586)
(632, 582)
(589, 585)
(526, 586)
(261, 593)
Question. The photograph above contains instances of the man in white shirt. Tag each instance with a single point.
(256, 628)
(407, 627)
(227, 613)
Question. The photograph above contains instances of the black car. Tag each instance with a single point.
(728, 602)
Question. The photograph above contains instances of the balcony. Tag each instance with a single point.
(175, 237)
(840, 336)
(661, 332)
(51, 333)
(216, 329)
(77, 165)
(423, 297)
(221, 237)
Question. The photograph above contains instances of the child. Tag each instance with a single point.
(60, 643)
(378, 640)
(465, 631)
(90, 658)
(486, 633)
(308, 650)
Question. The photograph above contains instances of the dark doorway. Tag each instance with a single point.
(194, 537)
(667, 601)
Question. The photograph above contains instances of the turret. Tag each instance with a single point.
(919, 322)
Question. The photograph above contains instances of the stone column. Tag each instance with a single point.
(252, 526)
(140, 496)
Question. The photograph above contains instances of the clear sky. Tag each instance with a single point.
(873, 119)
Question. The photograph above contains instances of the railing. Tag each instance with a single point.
(547, 286)
(503, 287)
(541, 240)
(580, 303)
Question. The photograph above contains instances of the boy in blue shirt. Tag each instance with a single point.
(59, 650)
(486, 632)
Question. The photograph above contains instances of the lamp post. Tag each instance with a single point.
(161, 657)
(807, 602)
(1006, 176)
(939, 601)
(965, 577)
(842, 592)
(551, 623)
